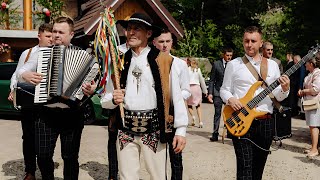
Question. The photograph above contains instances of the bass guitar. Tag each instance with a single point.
(238, 122)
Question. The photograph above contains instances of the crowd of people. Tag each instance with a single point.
(157, 92)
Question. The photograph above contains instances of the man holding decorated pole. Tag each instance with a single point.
(147, 86)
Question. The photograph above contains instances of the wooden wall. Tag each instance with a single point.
(128, 8)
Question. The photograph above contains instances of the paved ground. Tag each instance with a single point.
(202, 159)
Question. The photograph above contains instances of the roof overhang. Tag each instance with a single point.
(92, 23)
(18, 34)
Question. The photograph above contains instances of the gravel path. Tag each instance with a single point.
(202, 159)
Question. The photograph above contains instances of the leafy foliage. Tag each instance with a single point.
(292, 26)
(203, 41)
(54, 6)
(10, 17)
(271, 23)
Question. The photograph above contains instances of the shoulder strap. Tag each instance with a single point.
(251, 68)
(28, 55)
(264, 72)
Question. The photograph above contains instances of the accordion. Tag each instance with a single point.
(64, 70)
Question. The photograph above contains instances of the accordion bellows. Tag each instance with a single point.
(64, 69)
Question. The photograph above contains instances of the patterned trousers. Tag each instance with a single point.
(129, 160)
(251, 159)
(53, 123)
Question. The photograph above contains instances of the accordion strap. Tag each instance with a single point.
(28, 55)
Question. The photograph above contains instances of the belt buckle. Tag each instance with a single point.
(141, 122)
(139, 129)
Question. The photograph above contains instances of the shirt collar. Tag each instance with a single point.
(224, 61)
(143, 52)
(253, 61)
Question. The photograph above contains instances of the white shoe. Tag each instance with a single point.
(201, 125)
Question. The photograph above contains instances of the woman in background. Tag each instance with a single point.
(311, 90)
(197, 87)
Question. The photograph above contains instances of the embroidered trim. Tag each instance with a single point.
(141, 20)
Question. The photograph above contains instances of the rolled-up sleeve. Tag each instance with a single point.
(106, 100)
(278, 92)
(14, 78)
(226, 88)
(180, 110)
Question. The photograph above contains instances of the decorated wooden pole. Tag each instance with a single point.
(106, 50)
(116, 72)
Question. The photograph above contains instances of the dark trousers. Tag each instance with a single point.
(28, 140)
(217, 102)
(112, 154)
(52, 123)
(251, 159)
(175, 161)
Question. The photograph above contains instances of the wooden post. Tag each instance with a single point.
(6, 17)
(116, 73)
(27, 14)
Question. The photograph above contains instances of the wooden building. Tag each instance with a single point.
(86, 14)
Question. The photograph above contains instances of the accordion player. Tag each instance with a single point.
(64, 70)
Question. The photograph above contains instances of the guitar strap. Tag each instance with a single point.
(263, 77)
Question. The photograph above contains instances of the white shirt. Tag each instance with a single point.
(23, 56)
(143, 97)
(123, 48)
(238, 79)
(30, 65)
(197, 78)
(224, 63)
(183, 73)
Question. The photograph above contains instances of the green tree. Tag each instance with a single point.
(271, 23)
(302, 23)
(202, 41)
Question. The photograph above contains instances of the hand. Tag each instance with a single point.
(10, 97)
(32, 77)
(235, 104)
(210, 98)
(178, 143)
(118, 96)
(88, 88)
(284, 82)
(300, 93)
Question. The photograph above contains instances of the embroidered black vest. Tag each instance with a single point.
(166, 122)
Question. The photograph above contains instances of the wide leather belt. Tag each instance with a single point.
(141, 122)
(266, 116)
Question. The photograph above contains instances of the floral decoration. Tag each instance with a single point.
(51, 9)
(4, 48)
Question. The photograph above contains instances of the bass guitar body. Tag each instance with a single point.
(238, 122)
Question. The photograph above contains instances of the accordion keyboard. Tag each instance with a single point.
(41, 94)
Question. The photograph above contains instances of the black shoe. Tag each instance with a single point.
(29, 176)
(214, 138)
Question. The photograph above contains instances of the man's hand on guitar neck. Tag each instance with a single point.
(235, 104)
(284, 82)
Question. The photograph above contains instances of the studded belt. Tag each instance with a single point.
(141, 122)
